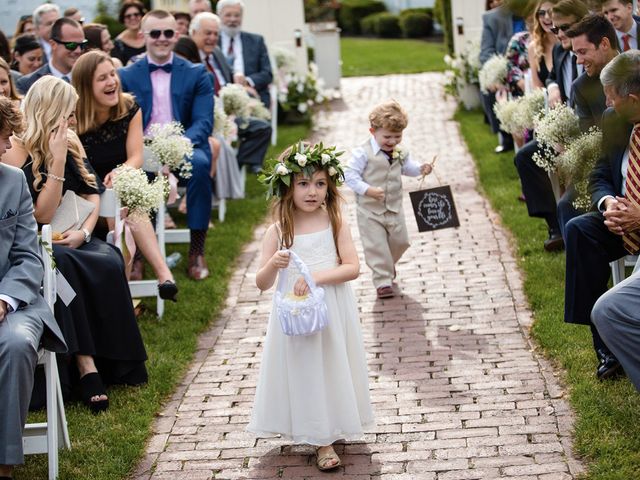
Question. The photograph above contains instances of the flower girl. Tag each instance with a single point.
(312, 389)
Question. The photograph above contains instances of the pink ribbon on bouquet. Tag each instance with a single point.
(128, 227)
(173, 185)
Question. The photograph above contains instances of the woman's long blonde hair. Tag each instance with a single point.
(82, 79)
(283, 207)
(539, 38)
(47, 101)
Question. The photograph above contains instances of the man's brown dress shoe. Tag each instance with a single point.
(198, 269)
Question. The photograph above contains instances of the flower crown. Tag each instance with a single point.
(302, 159)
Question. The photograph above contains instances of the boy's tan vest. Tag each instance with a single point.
(379, 173)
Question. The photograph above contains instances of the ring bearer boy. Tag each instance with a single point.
(374, 173)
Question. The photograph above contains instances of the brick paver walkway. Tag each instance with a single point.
(458, 390)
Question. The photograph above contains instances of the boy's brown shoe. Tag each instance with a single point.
(385, 292)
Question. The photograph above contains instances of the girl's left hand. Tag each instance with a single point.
(71, 239)
(300, 288)
(108, 180)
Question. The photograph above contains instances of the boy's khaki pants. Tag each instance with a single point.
(384, 239)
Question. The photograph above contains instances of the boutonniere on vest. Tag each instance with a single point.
(399, 154)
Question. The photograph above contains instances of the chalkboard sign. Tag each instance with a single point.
(434, 208)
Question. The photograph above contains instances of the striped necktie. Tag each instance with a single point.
(631, 240)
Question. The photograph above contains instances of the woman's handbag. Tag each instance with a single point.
(71, 213)
(300, 315)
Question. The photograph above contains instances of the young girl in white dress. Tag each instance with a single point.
(312, 389)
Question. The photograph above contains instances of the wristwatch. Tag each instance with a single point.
(87, 235)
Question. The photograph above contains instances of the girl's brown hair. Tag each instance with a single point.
(82, 79)
(283, 207)
(13, 93)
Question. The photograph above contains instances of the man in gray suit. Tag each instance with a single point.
(25, 318)
(246, 53)
(498, 26)
(254, 133)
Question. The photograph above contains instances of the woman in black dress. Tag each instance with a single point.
(131, 41)
(99, 324)
(541, 45)
(109, 123)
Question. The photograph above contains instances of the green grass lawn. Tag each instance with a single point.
(608, 414)
(373, 56)
(108, 446)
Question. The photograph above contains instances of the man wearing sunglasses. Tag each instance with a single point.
(67, 44)
(620, 14)
(536, 186)
(168, 88)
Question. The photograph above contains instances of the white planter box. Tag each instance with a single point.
(469, 95)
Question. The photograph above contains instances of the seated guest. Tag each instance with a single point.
(27, 56)
(254, 134)
(616, 316)
(109, 124)
(44, 17)
(540, 48)
(98, 324)
(536, 186)
(597, 238)
(24, 26)
(131, 41)
(67, 44)
(183, 19)
(25, 317)
(620, 14)
(246, 52)
(168, 89)
(7, 88)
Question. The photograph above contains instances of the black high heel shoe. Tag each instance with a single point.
(168, 290)
(91, 386)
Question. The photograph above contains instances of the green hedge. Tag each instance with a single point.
(442, 13)
(416, 25)
(352, 11)
(383, 24)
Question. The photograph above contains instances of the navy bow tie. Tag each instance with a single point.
(166, 67)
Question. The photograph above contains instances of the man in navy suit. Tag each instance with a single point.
(246, 52)
(67, 43)
(595, 239)
(168, 88)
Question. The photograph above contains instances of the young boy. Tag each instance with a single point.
(374, 174)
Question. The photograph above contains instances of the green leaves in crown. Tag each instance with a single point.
(302, 158)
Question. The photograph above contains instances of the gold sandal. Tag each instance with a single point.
(325, 461)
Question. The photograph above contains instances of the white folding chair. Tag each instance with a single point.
(50, 436)
(110, 207)
(618, 267)
(273, 91)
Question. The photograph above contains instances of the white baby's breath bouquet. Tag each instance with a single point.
(507, 113)
(555, 129)
(258, 110)
(172, 149)
(235, 100)
(136, 193)
(223, 124)
(518, 114)
(493, 73)
(284, 58)
(577, 162)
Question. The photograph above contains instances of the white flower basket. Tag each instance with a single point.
(469, 95)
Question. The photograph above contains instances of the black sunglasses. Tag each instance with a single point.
(71, 46)
(564, 28)
(155, 34)
(132, 15)
(542, 12)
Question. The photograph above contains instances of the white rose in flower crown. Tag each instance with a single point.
(325, 158)
(282, 169)
(332, 171)
(300, 159)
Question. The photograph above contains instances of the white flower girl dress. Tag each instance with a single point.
(314, 389)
